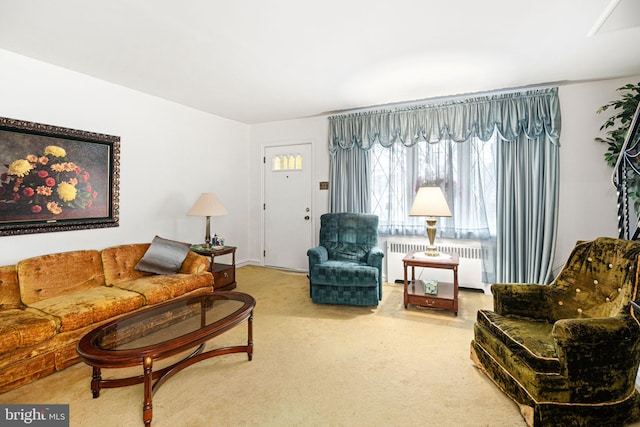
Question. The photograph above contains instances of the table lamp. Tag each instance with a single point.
(430, 202)
(207, 206)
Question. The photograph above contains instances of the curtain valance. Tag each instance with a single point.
(532, 113)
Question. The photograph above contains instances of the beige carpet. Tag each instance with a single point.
(313, 365)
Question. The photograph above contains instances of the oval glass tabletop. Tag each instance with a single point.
(165, 329)
(162, 331)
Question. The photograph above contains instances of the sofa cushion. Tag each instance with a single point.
(21, 328)
(341, 273)
(119, 262)
(83, 308)
(164, 256)
(9, 288)
(56, 275)
(157, 288)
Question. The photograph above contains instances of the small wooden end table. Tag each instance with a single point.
(447, 296)
(224, 275)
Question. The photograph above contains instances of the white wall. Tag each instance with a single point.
(587, 207)
(588, 200)
(314, 130)
(169, 155)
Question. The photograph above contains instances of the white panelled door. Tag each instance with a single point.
(288, 228)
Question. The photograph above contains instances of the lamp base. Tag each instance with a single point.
(432, 251)
(207, 237)
(431, 232)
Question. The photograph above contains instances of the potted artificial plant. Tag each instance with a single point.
(615, 132)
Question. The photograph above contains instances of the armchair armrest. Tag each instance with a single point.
(593, 331)
(598, 352)
(374, 257)
(522, 299)
(317, 255)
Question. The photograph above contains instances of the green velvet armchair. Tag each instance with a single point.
(346, 266)
(567, 353)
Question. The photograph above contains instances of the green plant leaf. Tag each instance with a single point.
(616, 128)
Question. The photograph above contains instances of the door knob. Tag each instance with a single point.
(307, 217)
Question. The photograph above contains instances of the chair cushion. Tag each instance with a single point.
(530, 340)
(596, 280)
(348, 236)
(344, 273)
(512, 374)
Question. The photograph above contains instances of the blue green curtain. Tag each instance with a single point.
(349, 173)
(531, 113)
(528, 125)
(527, 209)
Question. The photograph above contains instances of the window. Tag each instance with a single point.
(523, 159)
(286, 162)
(466, 171)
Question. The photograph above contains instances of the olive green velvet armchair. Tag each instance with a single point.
(567, 353)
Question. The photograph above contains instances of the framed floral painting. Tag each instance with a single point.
(56, 179)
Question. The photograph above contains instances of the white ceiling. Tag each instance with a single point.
(257, 61)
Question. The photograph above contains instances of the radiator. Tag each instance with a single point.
(469, 269)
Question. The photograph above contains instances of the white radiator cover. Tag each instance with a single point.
(469, 269)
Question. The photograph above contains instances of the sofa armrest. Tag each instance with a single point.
(522, 299)
(598, 352)
(317, 255)
(194, 264)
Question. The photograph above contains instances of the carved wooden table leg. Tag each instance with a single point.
(147, 408)
(250, 336)
(96, 378)
(172, 342)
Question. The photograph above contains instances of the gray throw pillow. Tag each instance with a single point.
(164, 256)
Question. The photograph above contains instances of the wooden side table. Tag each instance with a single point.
(447, 296)
(224, 275)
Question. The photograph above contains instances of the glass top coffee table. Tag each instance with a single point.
(161, 332)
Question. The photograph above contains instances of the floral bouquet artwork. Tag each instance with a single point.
(45, 183)
(56, 179)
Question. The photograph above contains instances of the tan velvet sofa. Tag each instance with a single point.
(49, 302)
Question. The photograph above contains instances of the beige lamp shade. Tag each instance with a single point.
(207, 205)
(430, 201)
